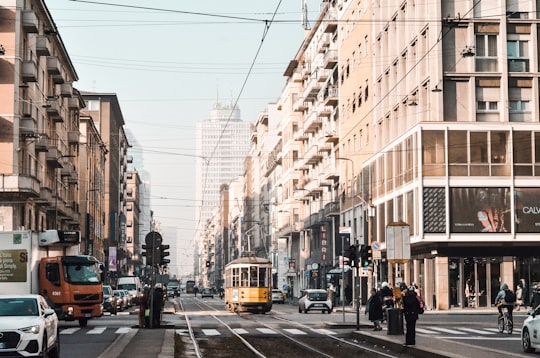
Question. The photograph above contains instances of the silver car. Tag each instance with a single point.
(28, 327)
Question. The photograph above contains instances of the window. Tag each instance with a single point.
(486, 53)
(519, 106)
(518, 55)
(486, 106)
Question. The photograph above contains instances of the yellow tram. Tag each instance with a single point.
(248, 285)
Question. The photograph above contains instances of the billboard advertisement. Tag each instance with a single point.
(527, 208)
(480, 210)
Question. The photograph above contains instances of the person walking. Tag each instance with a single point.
(143, 318)
(411, 309)
(374, 308)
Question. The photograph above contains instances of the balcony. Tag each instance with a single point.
(330, 59)
(28, 127)
(322, 75)
(331, 96)
(30, 21)
(42, 143)
(300, 135)
(42, 46)
(45, 197)
(73, 137)
(73, 103)
(66, 170)
(66, 89)
(331, 209)
(312, 155)
(330, 21)
(300, 105)
(53, 65)
(331, 136)
(312, 122)
(13, 183)
(53, 110)
(29, 71)
(311, 90)
(53, 157)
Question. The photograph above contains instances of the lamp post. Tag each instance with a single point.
(353, 236)
(56, 187)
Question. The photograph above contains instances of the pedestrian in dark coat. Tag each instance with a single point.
(411, 308)
(374, 307)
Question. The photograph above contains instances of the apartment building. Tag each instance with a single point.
(39, 122)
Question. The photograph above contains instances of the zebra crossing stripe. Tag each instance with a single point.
(240, 331)
(294, 331)
(446, 330)
(425, 331)
(266, 331)
(69, 330)
(477, 331)
(210, 332)
(123, 330)
(323, 331)
(97, 330)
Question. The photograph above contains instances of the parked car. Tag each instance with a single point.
(530, 340)
(277, 296)
(207, 292)
(109, 300)
(315, 300)
(29, 327)
(129, 298)
(121, 302)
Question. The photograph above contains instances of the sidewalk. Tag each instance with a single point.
(144, 343)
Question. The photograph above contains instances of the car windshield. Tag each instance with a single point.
(18, 307)
(81, 274)
(128, 286)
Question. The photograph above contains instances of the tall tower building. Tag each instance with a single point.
(222, 144)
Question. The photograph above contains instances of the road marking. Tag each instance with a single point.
(472, 330)
(294, 331)
(69, 330)
(210, 332)
(97, 330)
(484, 338)
(240, 330)
(496, 330)
(446, 330)
(323, 331)
(426, 331)
(266, 330)
(123, 330)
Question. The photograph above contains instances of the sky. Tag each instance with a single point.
(169, 61)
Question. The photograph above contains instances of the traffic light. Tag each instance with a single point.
(353, 256)
(366, 255)
(163, 253)
(148, 254)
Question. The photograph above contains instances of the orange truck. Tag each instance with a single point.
(49, 263)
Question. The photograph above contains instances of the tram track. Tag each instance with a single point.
(269, 340)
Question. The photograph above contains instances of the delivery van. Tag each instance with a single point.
(133, 285)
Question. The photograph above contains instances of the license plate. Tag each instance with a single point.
(318, 305)
(88, 315)
(2, 345)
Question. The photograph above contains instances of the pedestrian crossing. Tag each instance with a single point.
(97, 330)
(462, 331)
(211, 332)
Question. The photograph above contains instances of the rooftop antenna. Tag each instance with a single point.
(305, 23)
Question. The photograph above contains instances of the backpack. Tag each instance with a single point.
(509, 296)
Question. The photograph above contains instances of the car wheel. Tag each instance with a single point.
(329, 311)
(55, 351)
(526, 341)
(83, 322)
(44, 348)
(305, 311)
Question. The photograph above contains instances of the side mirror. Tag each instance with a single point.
(531, 312)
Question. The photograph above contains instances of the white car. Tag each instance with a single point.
(530, 340)
(277, 296)
(28, 327)
(315, 300)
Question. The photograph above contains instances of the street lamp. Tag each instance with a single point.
(56, 187)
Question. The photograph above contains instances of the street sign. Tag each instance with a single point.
(377, 255)
(375, 245)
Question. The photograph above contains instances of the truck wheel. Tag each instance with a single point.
(83, 322)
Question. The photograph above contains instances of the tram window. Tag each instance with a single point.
(253, 276)
(235, 277)
(245, 277)
(262, 277)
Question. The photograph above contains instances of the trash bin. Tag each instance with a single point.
(395, 320)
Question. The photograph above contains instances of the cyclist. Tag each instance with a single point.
(501, 302)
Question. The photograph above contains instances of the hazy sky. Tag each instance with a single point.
(168, 61)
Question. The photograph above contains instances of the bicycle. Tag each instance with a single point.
(505, 322)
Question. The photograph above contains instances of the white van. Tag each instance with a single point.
(133, 285)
